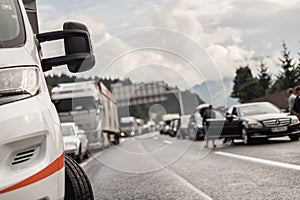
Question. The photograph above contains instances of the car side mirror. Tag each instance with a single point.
(78, 56)
(229, 116)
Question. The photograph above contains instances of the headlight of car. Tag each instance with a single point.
(294, 120)
(71, 144)
(255, 124)
(18, 83)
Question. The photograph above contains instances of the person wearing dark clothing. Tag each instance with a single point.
(296, 107)
(291, 100)
(208, 114)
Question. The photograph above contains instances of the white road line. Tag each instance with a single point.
(147, 135)
(189, 185)
(167, 142)
(260, 160)
(90, 159)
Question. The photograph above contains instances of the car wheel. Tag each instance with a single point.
(294, 137)
(178, 135)
(192, 134)
(86, 155)
(79, 157)
(77, 184)
(246, 137)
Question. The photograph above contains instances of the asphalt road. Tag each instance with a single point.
(153, 166)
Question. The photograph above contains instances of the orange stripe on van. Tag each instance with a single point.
(49, 170)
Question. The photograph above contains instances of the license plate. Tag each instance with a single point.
(279, 129)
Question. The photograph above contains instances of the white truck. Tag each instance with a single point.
(92, 107)
(32, 160)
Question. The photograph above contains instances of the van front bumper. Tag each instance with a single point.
(31, 150)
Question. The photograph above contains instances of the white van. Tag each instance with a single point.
(32, 160)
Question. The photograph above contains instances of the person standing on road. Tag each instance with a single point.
(208, 114)
(296, 106)
(291, 100)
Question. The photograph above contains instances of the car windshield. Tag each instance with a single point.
(258, 109)
(11, 24)
(75, 104)
(67, 130)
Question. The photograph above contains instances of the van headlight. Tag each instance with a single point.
(18, 83)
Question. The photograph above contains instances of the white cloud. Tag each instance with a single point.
(233, 32)
(228, 58)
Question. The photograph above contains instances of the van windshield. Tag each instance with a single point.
(11, 24)
(75, 104)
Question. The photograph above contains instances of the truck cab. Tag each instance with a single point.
(129, 126)
(80, 102)
(32, 160)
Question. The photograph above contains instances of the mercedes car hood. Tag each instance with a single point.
(262, 117)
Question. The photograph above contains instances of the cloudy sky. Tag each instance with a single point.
(221, 34)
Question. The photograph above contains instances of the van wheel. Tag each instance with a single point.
(77, 184)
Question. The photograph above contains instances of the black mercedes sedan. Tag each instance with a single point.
(252, 121)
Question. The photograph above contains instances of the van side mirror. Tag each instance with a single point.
(78, 56)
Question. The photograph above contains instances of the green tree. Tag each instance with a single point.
(264, 80)
(242, 75)
(249, 90)
(246, 87)
(289, 77)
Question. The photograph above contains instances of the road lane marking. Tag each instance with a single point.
(90, 159)
(260, 160)
(167, 142)
(189, 185)
(147, 135)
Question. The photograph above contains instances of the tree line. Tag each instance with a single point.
(54, 80)
(247, 87)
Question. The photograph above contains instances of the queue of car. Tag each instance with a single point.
(248, 122)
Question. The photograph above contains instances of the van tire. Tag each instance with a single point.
(77, 184)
